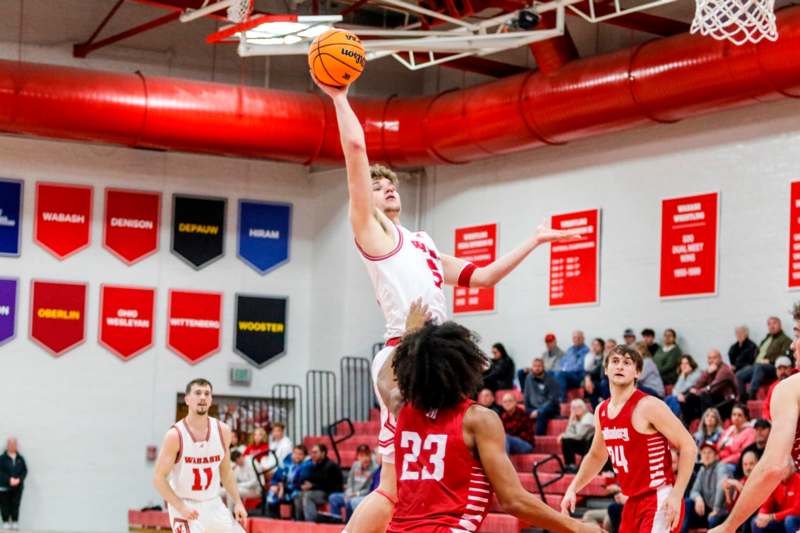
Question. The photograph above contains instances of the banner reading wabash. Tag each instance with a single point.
(10, 207)
(260, 334)
(63, 218)
(131, 226)
(58, 315)
(193, 330)
(264, 232)
(198, 229)
(126, 319)
(8, 309)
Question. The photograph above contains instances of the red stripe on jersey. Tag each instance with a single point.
(189, 431)
(394, 341)
(180, 444)
(221, 439)
(796, 449)
(385, 256)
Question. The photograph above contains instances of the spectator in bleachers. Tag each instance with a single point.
(359, 481)
(593, 366)
(710, 429)
(706, 497)
(570, 369)
(13, 471)
(500, 374)
(258, 442)
(235, 445)
(629, 338)
(486, 399)
(551, 357)
(742, 353)
(715, 388)
(781, 512)
(668, 357)
(519, 429)
(737, 437)
(610, 345)
(688, 374)
(649, 338)
(280, 444)
(762, 429)
(731, 488)
(246, 478)
(649, 380)
(577, 438)
(322, 479)
(285, 484)
(762, 372)
(783, 369)
(601, 517)
(542, 397)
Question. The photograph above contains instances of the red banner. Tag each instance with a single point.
(575, 265)
(63, 218)
(794, 236)
(58, 315)
(194, 326)
(477, 244)
(131, 224)
(126, 320)
(689, 245)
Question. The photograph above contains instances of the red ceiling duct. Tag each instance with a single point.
(660, 81)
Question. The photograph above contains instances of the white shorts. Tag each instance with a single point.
(388, 420)
(214, 517)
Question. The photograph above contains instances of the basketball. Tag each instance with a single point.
(336, 58)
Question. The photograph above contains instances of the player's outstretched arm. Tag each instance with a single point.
(166, 459)
(228, 479)
(485, 428)
(770, 468)
(491, 274)
(591, 465)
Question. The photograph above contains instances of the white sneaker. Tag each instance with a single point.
(6, 525)
(14, 526)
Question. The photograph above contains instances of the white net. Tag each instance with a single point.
(240, 10)
(738, 21)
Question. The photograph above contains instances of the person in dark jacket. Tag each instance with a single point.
(542, 394)
(13, 471)
(322, 479)
(762, 372)
(742, 353)
(500, 374)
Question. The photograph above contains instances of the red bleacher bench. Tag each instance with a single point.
(596, 487)
(268, 525)
(148, 519)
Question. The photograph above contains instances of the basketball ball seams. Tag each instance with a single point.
(344, 64)
(321, 62)
(340, 61)
(330, 80)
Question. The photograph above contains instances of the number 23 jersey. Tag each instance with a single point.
(441, 487)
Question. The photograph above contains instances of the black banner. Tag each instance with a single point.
(260, 334)
(198, 229)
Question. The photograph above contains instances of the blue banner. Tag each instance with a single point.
(10, 208)
(264, 232)
(8, 309)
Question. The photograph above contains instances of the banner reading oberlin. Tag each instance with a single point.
(10, 207)
(63, 218)
(58, 315)
(194, 324)
(132, 218)
(264, 231)
(126, 320)
(8, 309)
(575, 264)
(260, 328)
(198, 229)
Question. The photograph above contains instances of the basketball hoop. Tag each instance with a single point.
(237, 10)
(738, 21)
(240, 10)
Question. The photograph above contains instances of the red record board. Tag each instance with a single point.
(794, 236)
(131, 224)
(126, 319)
(194, 324)
(58, 315)
(477, 244)
(63, 218)
(575, 265)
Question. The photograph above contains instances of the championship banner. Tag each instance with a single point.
(126, 320)
(264, 232)
(575, 265)
(58, 315)
(794, 236)
(63, 220)
(131, 224)
(8, 309)
(198, 229)
(477, 244)
(689, 229)
(10, 208)
(194, 324)
(260, 334)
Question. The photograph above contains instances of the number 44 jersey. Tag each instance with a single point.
(441, 487)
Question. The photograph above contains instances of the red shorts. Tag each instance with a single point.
(645, 514)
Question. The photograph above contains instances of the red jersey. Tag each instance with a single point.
(441, 487)
(628, 449)
(796, 448)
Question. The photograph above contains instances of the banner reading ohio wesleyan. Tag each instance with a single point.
(58, 315)
(130, 231)
(260, 334)
(198, 229)
(63, 218)
(264, 230)
(8, 309)
(194, 324)
(10, 207)
(126, 319)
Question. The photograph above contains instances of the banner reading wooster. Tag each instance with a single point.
(58, 315)
(260, 334)
(10, 206)
(63, 218)
(194, 324)
(264, 232)
(126, 320)
(198, 229)
(8, 309)
(132, 219)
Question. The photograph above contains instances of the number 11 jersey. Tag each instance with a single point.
(441, 487)
(195, 475)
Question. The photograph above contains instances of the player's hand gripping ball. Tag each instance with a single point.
(336, 58)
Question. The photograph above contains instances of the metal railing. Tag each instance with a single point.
(292, 396)
(356, 384)
(336, 441)
(321, 401)
(540, 485)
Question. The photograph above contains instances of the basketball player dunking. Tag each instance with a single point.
(783, 445)
(636, 431)
(403, 266)
(193, 461)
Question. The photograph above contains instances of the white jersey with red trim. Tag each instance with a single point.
(195, 475)
(413, 269)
